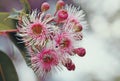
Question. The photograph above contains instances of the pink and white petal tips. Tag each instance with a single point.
(76, 18)
(75, 22)
(44, 61)
(33, 28)
(76, 15)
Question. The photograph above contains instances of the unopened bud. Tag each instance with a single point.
(71, 67)
(69, 64)
(80, 51)
(62, 15)
(45, 6)
(60, 4)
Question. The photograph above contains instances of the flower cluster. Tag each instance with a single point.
(51, 38)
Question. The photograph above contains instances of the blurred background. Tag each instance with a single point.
(101, 40)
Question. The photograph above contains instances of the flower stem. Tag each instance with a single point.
(7, 31)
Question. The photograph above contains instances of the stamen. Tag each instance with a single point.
(65, 43)
(37, 28)
(47, 58)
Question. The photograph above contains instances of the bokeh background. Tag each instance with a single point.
(101, 40)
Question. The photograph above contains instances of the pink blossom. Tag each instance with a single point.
(64, 42)
(48, 59)
(75, 15)
(75, 22)
(34, 29)
(74, 29)
(44, 61)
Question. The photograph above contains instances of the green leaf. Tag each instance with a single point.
(5, 23)
(26, 6)
(7, 69)
(16, 14)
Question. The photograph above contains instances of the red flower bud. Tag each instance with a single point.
(60, 4)
(69, 64)
(45, 6)
(71, 67)
(62, 15)
(80, 51)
